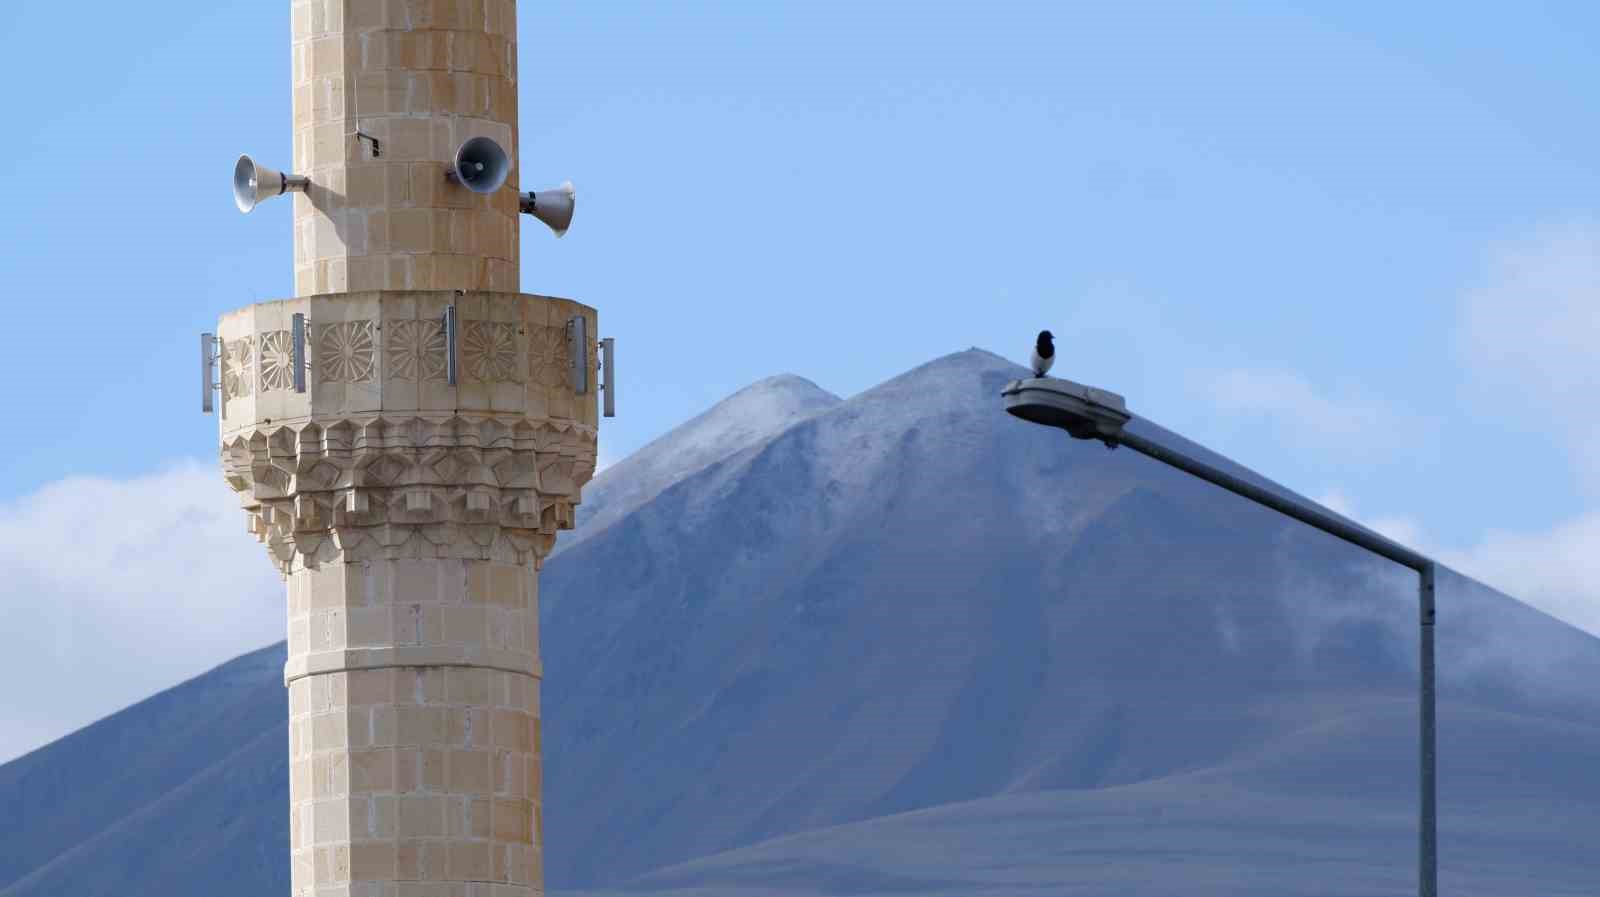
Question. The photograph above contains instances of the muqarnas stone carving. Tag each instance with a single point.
(409, 517)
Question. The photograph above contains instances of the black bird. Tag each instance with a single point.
(1044, 353)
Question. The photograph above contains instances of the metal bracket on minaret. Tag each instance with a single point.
(578, 353)
(297, 332)
(608, 379)
(578, 348)
(210, 355)
(449, 327)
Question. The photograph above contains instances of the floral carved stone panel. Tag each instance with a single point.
(489, 352)
(276, 360)
(414, 350)
(238, 368)
(346, 352)
(547, 356)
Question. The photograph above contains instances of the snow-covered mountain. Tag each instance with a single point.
(746, 418)
(904, 643)
(912, 599)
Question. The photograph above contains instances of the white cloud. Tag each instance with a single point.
(117, 589)
(1556, 570)
(1346, 423)
(1405, 530)
(1337, 502)
(1530, 335)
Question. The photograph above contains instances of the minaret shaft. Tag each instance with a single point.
(414, 726)
(409, 493)
(411, 79)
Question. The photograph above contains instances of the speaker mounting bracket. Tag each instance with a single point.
(377, 145)
(210, 355)
(608, 380)
(448, 325)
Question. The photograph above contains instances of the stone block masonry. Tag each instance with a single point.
(408, 514)
(419, 77)
(414, 773)
(409, 517)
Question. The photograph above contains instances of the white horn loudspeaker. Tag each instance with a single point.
(553, 207)
(252, 183)
(480, 165)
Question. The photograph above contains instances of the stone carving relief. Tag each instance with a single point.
(238, 367)
(465, 486)
(276, 360)
(547, 356)
(346, 352)
(414, 350)
(489, 352)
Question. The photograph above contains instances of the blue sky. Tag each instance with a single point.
(1350, 245)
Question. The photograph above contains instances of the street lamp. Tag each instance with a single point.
(1089, 413)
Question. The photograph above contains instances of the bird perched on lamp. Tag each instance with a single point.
(1044, 353)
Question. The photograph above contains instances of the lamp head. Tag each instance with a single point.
(1083, 411)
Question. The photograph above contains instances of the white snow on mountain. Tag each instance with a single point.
(758, 411)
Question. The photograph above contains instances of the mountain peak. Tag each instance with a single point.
(754, 413)
(946, 380)
(784, 381)
(969, 360)
(784, 389)
(965, 365)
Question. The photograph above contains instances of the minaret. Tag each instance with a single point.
(407, 435)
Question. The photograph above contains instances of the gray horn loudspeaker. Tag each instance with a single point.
(480, 165)
(252, 183)
(553, 207)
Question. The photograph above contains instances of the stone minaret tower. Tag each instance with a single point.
(409, 514)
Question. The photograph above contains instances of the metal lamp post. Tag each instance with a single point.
(1089, 413)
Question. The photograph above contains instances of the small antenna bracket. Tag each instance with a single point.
(449, 326)
(299, 364)
(578, 349)
(608, 377)
(210, 354)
